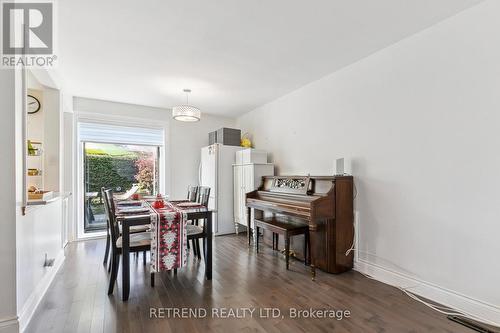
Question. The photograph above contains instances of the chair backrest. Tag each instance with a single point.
(109, 206)
(192, 193)
(203, 195)
(103, 198)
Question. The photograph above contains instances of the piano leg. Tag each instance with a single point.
(306, 248)
(312, 239)
(287, 250)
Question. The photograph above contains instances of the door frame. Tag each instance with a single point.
(164, 161)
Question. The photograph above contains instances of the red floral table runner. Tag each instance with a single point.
(169, 236)
(168, 231)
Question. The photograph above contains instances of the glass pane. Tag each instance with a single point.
(127, 169)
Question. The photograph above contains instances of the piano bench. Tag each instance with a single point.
(281, 225)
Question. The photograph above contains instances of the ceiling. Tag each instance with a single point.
(234, 55)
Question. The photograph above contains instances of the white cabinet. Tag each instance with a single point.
(238, 194)
(247, 177)
(250, 155)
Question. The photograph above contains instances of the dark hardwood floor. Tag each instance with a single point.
(77, 300)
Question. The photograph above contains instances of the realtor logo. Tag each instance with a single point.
(28, 33)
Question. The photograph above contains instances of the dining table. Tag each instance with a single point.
(189, 213)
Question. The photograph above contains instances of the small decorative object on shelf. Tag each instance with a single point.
(36, 194)
(245, 141)
(34, 172)
(33, 150)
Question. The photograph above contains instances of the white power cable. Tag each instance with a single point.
(353, 225)
(439, 308)
(352, 248)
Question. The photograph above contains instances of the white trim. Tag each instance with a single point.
(72, 230)
(119, 120)
(104, 132)
(450, 298)
(91, 236)
(8, 325)
(36, 296)
(80, 186)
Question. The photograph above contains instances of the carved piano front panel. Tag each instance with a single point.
(293, 185)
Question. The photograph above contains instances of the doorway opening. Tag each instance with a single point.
(126, 169)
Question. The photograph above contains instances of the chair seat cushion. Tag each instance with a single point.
(137, 228)
(193, 230)
(140, 228)
(136, 240)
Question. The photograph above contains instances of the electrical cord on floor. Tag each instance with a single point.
(439, 308)
(448, 311)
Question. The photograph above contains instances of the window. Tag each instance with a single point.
(126, 169)
(125, 159)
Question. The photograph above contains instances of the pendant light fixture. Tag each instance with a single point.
(186, 112)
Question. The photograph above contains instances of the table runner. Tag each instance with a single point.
(168, 237)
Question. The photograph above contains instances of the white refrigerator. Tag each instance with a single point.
(216, 172)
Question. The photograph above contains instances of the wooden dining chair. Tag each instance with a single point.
(203, 195)
(139, 242)
(134, 229)
(192, 193)
(195, 232)
(192, 196)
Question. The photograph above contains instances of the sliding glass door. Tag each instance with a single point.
(125, 168)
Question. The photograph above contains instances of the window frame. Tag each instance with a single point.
(98, 118)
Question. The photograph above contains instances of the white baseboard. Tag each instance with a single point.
(452, 299)
(9, 325)
(36, 296)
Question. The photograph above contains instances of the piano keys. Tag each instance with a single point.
(325, 203)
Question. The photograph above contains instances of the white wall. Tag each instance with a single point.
(8, 310)
(420, 120)
(186, 139)
(183, 140)
(68, 172)
(38, 233)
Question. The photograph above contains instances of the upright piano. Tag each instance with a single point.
(325, 203)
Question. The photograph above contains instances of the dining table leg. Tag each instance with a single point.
(249, 225)
(125, 261)
(208, 248)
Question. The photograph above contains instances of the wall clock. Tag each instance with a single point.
(33, 104)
